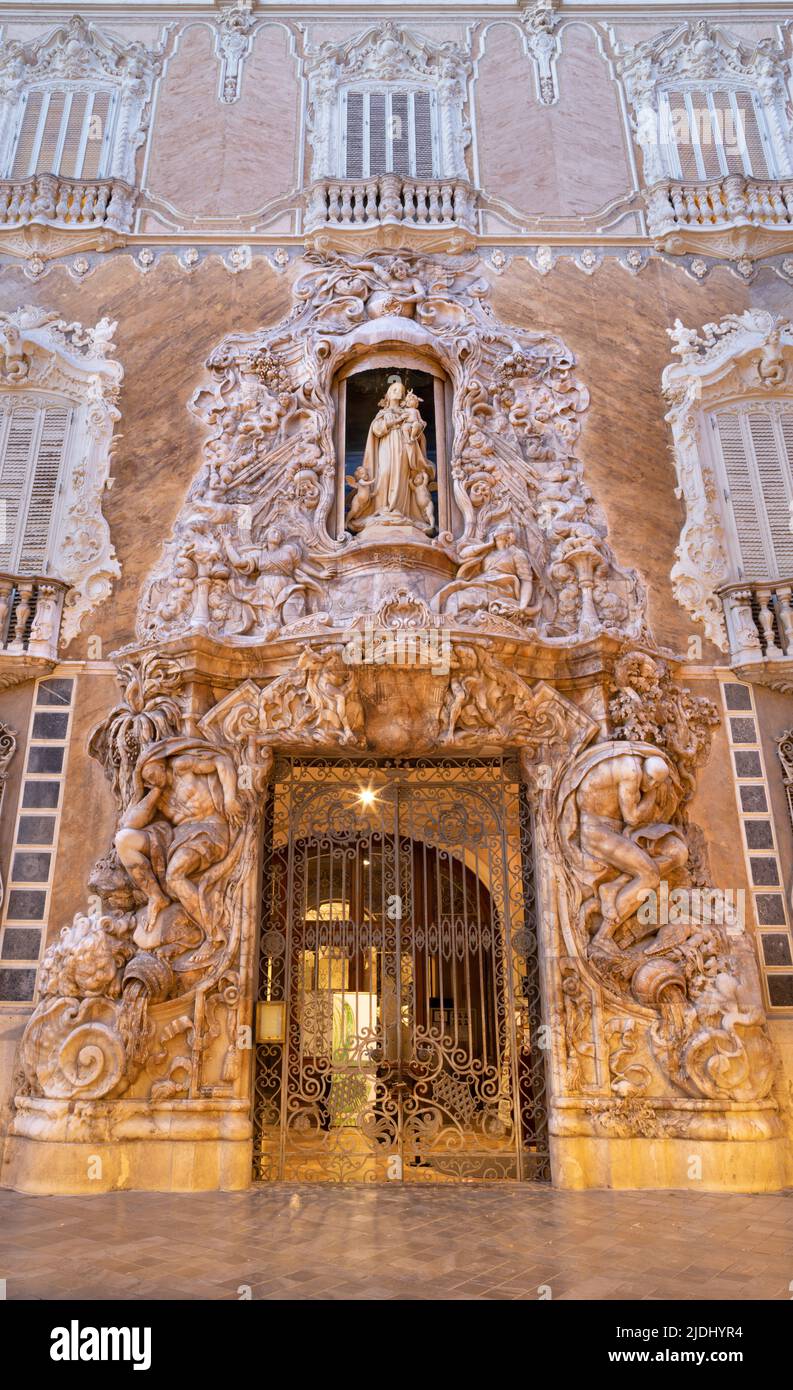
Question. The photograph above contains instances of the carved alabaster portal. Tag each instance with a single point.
(251, 644)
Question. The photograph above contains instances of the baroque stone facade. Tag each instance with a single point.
(384, 509)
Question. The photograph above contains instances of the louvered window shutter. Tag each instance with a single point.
(388, 132)
(354, 136)
(378, 152)
(757, 451)
(32, 446)
(425, 162)
(63, 131)
(715, 133)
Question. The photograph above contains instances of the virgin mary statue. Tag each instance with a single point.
(392, 484)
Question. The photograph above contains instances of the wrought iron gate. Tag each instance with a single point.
(398, 946)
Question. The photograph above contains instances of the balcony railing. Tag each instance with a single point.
(759, 619)
(30, 623)
(407, 207)
(43, 208)
(730, 217)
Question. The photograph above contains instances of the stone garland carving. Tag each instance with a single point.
(8, 747)
(253, 555)
(77, 52)
(620, 817)
(40, 352)
(689, 56)
(233, 38)
(383, 54)
(743, 355)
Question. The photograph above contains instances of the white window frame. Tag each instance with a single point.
(39, 402)
(389, 91)
(738, 362)
(67, 364)
(70, 89)
(386, 56)
(683, 60)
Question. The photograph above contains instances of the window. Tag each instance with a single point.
(391, 131)
(709, 134)
(755, 443)
(63, 131)
(33, 442)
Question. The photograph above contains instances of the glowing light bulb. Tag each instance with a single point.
(366, 796)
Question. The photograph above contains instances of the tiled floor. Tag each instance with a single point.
(331, 1242)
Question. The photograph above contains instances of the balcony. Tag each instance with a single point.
(30, 623)
(391, 211)
(759, 621)
(729, 217)
(47, 215)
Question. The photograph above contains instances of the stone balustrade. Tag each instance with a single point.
(444, 207)
(30, 616)
(45, 207)
(732, 217)
(759, 619)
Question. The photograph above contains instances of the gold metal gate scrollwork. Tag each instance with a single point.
(398, 932)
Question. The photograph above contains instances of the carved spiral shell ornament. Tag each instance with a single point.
(75, 1050)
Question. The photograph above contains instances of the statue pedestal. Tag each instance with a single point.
(58, 1147)
(371, 570)
(734, 1148)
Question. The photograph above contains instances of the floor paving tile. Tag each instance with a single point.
(398, 1243)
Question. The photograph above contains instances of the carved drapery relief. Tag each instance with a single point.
(255, 552)
(742, 356)
(42, 357)
(387, 53)
(695, 55)
(83, 55)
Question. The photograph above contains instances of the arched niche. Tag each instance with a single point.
(358, 385)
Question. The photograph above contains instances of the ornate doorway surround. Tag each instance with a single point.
(398, 930)
(267, 640)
